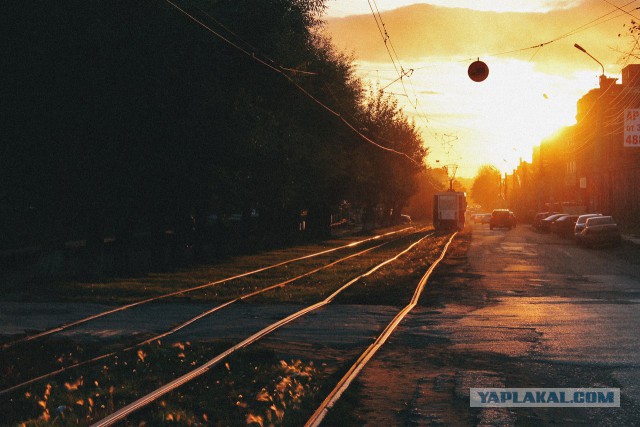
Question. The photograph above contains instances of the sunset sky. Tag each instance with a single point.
(529, 93)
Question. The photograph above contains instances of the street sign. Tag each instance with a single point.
(583, 182)
(632, 127)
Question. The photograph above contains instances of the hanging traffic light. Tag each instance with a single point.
(478, 71)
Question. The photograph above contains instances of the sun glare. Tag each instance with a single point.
(530, 93)
(497, 121)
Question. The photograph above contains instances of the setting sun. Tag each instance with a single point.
(535, 79)
(320, 212)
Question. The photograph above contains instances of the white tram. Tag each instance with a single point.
(449, 209)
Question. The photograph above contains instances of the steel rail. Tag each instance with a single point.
(188, 290)
(190, 321)
(150, 397)
(355, 369)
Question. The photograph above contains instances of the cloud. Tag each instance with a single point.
(423, 31)
(508, 113)
(349, 7)
(504, 5)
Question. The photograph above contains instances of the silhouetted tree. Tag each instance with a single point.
(486, 187)
(127, 117)
(385, 181)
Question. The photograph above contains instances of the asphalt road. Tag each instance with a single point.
(514, 308)
(507, 308)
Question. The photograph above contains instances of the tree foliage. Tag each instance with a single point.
(486, 188)
(632, 32)
(124, 116)
(383, 180)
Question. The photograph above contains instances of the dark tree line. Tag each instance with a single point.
(123, 117)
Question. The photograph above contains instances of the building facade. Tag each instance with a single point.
(588, 164)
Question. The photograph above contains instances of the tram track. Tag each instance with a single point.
(205, 367)
(194, 319)
(318, 416)
(145, 400)
(180, 292)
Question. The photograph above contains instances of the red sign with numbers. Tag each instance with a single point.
(632, 127)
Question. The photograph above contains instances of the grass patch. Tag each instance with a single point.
(80, 397)
(252, 387)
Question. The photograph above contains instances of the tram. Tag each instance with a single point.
(449, 210)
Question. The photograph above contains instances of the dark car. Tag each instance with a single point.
(545, 224)
(500, 218)
(580, 222)
(564, 225)
(485, 218)
(539, 217)
(600, 230)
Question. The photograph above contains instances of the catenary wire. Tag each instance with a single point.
(294, 83)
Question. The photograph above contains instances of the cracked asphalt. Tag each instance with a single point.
(512, 309)
(506, 308)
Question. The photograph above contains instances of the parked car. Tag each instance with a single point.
(582, 219)
(539, 217)
(405, 219)
(545, 224)
(500, 218)
(564, 225)
(600, 230)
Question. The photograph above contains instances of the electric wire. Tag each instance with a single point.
(402, 74)
(293, 82)
(579, 29)
(621, 9)
(387, 41)
(254, 50)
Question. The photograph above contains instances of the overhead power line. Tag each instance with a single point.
(402, 75)
(584, 27)
(621, 9)
(253, 48)
(280, 70)
(447, 145)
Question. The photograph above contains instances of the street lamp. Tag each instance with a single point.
(577, 46)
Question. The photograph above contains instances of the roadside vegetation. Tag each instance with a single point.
(140, 141)
(260, 385)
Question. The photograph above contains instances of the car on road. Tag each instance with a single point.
(500, 218)
(580, 222)
(482, 218)
(600, 230)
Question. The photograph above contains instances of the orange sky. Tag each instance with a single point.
(529, 93)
